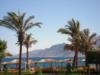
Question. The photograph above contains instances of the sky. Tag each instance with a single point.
(54, 14)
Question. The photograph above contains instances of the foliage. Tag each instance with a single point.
(80, 40)
(18, 23)
(93, 57)
(73, 30)
(3, 46)
(29, 40)
(87, 39)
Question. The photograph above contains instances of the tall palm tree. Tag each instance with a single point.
(87, 41)
(73, 30)
(18, 23)
(3, 47)
(28, 42)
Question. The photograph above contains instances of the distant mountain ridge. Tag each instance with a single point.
(54, 51)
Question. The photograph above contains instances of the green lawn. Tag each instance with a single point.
(9, 73)
(39, 73)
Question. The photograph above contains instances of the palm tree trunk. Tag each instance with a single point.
(86, 62)
(74, 61)
(99, 68)
(20, 55)
(27, 56)
(0, 64)
(96, 67)
(75, 58)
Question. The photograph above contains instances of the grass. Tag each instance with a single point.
(60, 72)
(39, 73)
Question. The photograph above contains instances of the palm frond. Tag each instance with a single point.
(33, 42)
(21, 19)
(32, 25)
(92, 36)
(27, 21)
(13, 18)
(8, 25)
(78, 24)
(29, 40)
(64, 31)
(86, 32)
(68, 47)
(3, 46)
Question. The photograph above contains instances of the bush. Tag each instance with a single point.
(93, 57)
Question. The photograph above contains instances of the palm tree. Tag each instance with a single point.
(28, 42)
(87, 41)
(3, 47)
(73, 30)
(18, 23)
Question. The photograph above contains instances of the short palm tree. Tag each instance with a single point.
(18, 23)
(87, 41)
(28, 42)
(3, 53)
(73, 30)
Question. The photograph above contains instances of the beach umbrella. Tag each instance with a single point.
(42, 60)
(83, 59)
(15, 61)
(69, 61)
(7, 54)
(31, 62)
(51, 61)
(48, 60)
(62, 61)
(11, 62)
(35, 55)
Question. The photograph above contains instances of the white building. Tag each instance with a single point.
(97, 43)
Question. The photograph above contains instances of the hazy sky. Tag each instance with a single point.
(53, 14)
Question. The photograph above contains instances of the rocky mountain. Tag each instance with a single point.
(53, 51)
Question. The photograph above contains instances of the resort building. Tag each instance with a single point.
(97, 43)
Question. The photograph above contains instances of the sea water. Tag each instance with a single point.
(43, 64)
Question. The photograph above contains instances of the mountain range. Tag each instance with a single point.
(54, 51)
